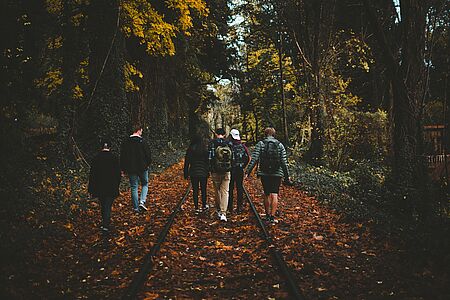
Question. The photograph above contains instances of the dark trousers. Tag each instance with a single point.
(237, 178)
(196, 182)
(106, 204)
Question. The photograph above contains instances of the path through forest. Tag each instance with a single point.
(204, 258)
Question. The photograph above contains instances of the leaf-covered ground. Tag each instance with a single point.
(68, 257)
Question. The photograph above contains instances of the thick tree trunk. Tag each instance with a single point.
(408, 83)
(69, 65)
(158, 101)
(107, 116)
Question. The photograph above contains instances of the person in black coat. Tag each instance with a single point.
(104, 180)
(135, 159)
(196, 167)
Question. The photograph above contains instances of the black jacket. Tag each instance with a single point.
(104, 177)
(196, 163)
(134, 155)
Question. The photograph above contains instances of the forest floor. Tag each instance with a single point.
(51, 253)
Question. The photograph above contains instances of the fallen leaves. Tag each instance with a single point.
(204, 258)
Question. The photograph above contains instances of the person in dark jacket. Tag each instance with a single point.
(104, 180)
(240, 161)
(196, 167)
(135, 160)
(270, 177)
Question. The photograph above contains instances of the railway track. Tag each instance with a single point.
(149, 259)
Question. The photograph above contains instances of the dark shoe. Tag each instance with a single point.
(273, 220)
(104, 229)
(268, 218)
(142, 207)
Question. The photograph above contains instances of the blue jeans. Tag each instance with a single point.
(134, 183)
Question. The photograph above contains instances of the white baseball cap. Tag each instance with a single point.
(235, 134)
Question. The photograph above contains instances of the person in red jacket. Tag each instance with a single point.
(104, 180)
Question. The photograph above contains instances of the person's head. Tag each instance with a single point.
(198, 144)
(220, 132)
(235, 134)
(137, 129)
(269, 131)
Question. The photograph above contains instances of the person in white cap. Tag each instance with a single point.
(241, 158)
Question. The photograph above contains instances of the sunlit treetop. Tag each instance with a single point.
(151, 26)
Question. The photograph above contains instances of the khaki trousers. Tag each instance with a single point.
(221, 182)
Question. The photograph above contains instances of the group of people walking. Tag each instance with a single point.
(226, 159)
(107, 170)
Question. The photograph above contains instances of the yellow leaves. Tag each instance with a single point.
(317, 237)
(130, 72)
(143, 21)
(77, 92)
(151, 296)
(69, 226)
(220, 264)
(54, 43)
(332, 229)
(137, 230)
(222, 246)
(51, 81)
(54, 6)
(120, 241)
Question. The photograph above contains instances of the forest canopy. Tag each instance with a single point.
(343, 82)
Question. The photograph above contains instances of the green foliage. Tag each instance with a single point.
(356, 135)
(359, 194)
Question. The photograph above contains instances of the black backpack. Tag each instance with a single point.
(222, 158)
(269, 160)
(240, 158)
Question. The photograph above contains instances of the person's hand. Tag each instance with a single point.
(288, 181)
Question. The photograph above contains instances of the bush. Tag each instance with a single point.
(356, 136)
(359, 193)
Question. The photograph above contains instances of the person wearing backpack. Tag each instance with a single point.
(241, 158)
(104, 180)
(270, 155)
(196, 168)
(135, 160)
(220, 159)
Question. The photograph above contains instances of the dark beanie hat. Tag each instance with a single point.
(220, 131)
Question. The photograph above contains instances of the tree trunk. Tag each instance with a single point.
(107, 116)
(407, 87)
(69, 65)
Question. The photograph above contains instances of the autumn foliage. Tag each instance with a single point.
(205, 258)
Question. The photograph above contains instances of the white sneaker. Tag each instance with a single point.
(223, 217)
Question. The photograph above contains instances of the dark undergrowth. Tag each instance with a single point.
(365, 193)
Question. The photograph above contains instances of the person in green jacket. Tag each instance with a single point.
(270, 155)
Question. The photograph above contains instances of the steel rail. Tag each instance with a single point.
(148, 263)
(293, 289)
